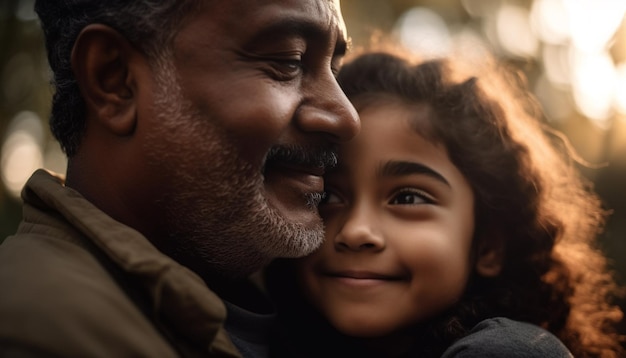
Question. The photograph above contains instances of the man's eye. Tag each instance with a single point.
(411, 197)
(287, 69)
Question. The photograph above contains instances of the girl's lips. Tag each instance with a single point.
(363, 275)
(361, 280)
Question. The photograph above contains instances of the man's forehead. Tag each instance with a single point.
(255, 15)
(330, 8)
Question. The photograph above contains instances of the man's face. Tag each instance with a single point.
(240, 124)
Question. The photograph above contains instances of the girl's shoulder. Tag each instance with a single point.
(503, 337)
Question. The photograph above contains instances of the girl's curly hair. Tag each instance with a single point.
(530, 200)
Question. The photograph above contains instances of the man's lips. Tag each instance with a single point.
(300, 159)
(295, 187)
(293, 182)
(305, 179)
(293, 173)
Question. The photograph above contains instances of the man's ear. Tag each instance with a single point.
(490, 255)
(101, 60)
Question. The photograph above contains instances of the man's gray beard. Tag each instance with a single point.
(237, 242)
(233, 230)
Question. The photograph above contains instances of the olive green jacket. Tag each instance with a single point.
(76, 283)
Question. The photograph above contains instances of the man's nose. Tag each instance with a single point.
(326, 109)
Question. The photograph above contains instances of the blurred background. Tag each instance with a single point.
(573, 52)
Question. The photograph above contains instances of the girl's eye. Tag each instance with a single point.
(330, 198)
(411, 197)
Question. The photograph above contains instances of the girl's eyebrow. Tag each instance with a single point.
(402, 168)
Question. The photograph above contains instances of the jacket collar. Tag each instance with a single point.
(178, 296)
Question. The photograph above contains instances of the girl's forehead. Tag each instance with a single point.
(419, 116)
(393, 127)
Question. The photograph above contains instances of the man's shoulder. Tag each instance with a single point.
(503, 337)
(58, 298)
(43, 270)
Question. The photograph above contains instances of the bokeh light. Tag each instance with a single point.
(594, 22)
(514, 32)
(593, 85)
(549, 21)
(469, 44)
(424, 31)
(556, 62)
(21, 151)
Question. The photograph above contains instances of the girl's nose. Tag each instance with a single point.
(360, 233)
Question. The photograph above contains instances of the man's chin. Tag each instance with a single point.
(299, 229)
(295, 207)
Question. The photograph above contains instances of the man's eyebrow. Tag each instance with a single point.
(403, 168)
(299, 27)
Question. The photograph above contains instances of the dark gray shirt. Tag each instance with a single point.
(502, 337)
(249, 331)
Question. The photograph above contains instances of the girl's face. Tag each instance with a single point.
(399, 224)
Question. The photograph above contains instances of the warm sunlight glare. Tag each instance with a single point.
(594, 22)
